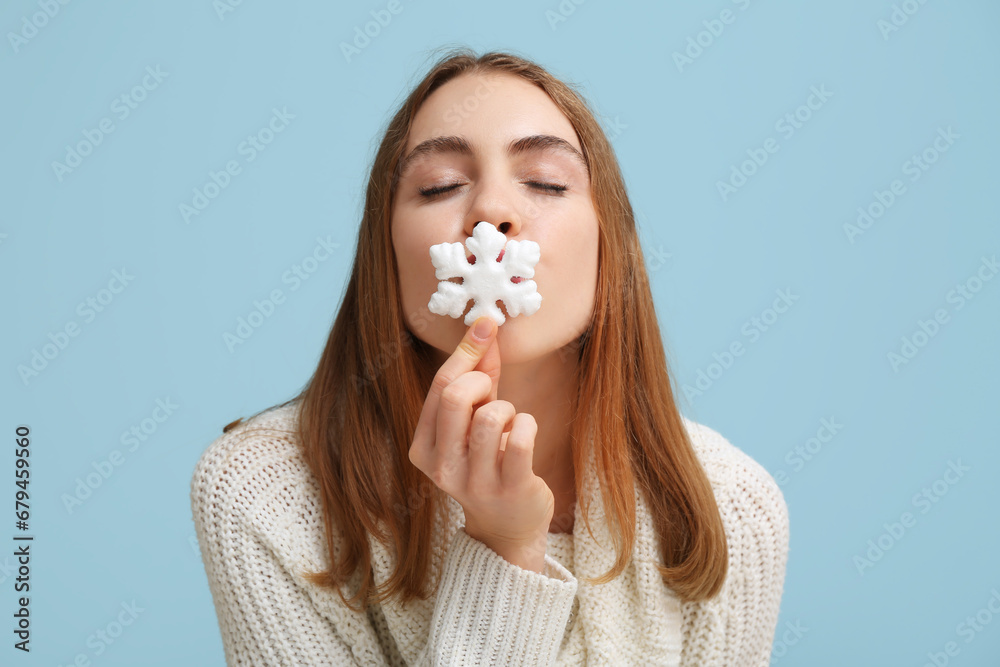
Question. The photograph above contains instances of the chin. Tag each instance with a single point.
(523, 340)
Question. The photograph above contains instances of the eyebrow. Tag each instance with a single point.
(460, 145)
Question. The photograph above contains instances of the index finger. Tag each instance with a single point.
(469, 355)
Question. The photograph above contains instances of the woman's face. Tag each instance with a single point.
(483, 116)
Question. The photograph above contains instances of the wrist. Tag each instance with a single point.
(528, 555)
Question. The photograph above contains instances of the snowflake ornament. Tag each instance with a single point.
(494, 273)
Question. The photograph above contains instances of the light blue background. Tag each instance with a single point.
(713, 264)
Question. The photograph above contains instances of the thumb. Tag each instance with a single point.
(482, 334)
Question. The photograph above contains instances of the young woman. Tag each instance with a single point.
(522, 494)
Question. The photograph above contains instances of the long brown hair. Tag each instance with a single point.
(360, 408)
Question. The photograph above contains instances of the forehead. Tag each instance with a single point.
(489, 109)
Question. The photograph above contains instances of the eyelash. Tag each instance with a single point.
(554, 188)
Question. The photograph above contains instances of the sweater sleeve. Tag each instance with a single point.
(763, 541)
(737, 627)
(491, 612)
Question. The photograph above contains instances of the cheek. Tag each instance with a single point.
(570, 254)
(417, 281)
(412, 273)
(571, 271)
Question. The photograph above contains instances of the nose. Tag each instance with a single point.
(506, 228)
(494, 199)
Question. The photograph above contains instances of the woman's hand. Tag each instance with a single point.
(478, 450)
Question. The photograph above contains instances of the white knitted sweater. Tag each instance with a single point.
(259, 524)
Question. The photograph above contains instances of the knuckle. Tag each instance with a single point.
(453, 397)
(488, 419)
(441, 382)
(468, 349)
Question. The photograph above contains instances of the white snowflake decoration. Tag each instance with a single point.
(500, 273)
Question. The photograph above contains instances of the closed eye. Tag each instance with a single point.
(433, 192)
(554, 188)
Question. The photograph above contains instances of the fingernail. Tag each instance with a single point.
(484, 327)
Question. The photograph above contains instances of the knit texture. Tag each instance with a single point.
(258, 517)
